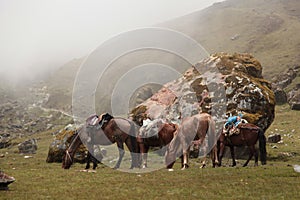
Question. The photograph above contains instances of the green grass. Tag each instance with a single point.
(36, 179)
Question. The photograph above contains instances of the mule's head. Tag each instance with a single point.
(67, 160)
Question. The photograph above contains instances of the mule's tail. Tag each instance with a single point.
(262, 147)
(212, 141)
(211, 134)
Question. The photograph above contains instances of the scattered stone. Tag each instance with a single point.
(294, 99)
(28, 157)
(4, 142)
(274, 138)
(296, 168)
(280, 96)
(285, 154)
(29, 146)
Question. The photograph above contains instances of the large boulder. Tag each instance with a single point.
(61, 142)
(227, 85)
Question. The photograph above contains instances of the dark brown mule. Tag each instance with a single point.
(164, 136)
(248, 136)
(192, 130)
(115, 130)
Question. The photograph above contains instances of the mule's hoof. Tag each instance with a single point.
(202, 166)
(185, 166)
(170, 170)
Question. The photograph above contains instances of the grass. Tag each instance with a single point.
(36, 179)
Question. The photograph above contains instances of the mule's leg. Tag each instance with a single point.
(121, 154)
(144, 157)
(221, 153)
(88, 159)
(232, 156)
(142, 151)
(134, 151)
(251, 152)
(95, 162)
(255, 157)
(214, 156)
(185, 159)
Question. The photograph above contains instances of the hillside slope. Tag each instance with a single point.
(267, 29)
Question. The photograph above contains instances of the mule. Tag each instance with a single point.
(248, 136)
(192, 131)
(106, 132)
(163, 136)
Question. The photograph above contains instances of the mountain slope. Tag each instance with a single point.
(268, 29)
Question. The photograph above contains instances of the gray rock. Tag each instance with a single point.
(274, 138)
(29, 146)
(280, 96)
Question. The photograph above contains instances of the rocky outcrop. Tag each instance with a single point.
(285, 79)
(223, 84)
(61, 142)
(282, 82)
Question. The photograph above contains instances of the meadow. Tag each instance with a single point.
(36, 179)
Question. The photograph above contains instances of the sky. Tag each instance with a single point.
(38, 35)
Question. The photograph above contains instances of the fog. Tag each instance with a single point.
(39, 36)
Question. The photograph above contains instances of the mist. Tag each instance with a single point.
(37, 36)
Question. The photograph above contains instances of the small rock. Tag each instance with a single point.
(274, 138)
(28, 157)
(296, 168)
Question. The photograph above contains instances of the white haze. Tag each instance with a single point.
(38, 36)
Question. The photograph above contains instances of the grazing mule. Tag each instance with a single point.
(164, 133)
(192, 130)
(106, 132)
(248, 136)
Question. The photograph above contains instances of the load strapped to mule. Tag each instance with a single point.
(233, 124)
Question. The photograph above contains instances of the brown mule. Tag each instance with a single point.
(112, 130)
(164, 136)
(248, 136)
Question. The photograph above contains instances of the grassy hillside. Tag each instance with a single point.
(268, 29)
(36, 179)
